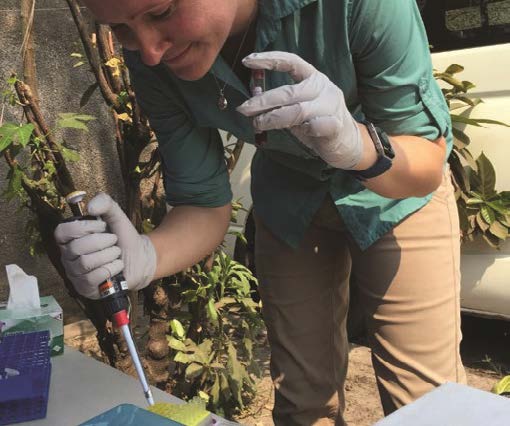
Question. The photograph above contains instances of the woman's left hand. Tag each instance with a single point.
(313, 109)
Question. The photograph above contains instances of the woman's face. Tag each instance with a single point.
(186, 35)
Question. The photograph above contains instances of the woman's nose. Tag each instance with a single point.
(152, 46)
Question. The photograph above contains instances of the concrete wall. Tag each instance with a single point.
(60, 89)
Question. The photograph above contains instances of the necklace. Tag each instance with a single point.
(222, 99)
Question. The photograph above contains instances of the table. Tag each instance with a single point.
(453, 405)
(81, 388)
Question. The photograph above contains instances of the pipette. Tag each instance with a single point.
(113, 292)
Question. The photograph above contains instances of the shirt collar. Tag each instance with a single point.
(279, 9)
(271, 12)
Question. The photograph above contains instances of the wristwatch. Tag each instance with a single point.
(385, 154)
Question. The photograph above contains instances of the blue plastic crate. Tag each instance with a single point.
(24, 396)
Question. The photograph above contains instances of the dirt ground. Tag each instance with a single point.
(485, 351)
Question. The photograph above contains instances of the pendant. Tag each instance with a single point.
(222, 102)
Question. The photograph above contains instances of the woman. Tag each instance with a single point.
(334, 195)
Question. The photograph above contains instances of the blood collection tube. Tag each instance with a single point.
(258, 86)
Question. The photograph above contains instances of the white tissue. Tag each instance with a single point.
(23, 289)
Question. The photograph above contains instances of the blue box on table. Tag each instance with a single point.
(25, 371)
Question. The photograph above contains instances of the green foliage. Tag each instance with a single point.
(32, 161)
(502, 387)
(482, 210)
(9, 95)
(237, 206)
(214, 347)
(11, 133)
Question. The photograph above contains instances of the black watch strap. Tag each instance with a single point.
(384, 150)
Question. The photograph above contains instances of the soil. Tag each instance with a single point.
(484, 351)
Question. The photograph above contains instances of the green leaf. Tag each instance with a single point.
(487, 214)
(177, 328)
(71, 120)
(70, 154)
(204, 396)
(474, 201)
(505, 196)
(10, 133)
(183, 358)
(215, 391)
(225, 387)
(467, 85)
(176, 344)
(212, 314)
(491, 240)
(237, 374)
(254, 368)
(193, 370)
(458, 172)
(147, 226)
(499, 230)
(454, 69)
(484, 226)
(463, 219)
(499, 206)
(477, 122)
(49, 167)
(461, 140)
(457, 84)
(486, 176)
(503, 386)
(476, 195)
(240, 237)
(87, 94)
(205, 352)
(248, 346)
(489, 121)
(249, 302)
(467, 100)
(468, 157)
(464, 120)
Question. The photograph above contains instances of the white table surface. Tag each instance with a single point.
(453, 405)
(82, 388)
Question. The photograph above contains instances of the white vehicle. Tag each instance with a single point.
(476, 35)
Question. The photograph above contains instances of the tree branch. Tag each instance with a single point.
(93, 57)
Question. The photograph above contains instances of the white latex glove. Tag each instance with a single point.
(95, 250)
(313, 109)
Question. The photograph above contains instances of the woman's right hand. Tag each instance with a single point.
(95, 250)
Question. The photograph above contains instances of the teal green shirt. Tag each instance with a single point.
(376, 51)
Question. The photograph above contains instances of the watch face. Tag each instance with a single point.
(385, 154)
(388, 151)
(386, 144)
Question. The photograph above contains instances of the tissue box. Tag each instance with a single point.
(48, 317)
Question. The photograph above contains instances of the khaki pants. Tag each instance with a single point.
(409, 288)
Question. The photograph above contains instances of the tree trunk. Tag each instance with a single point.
(49, 217)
